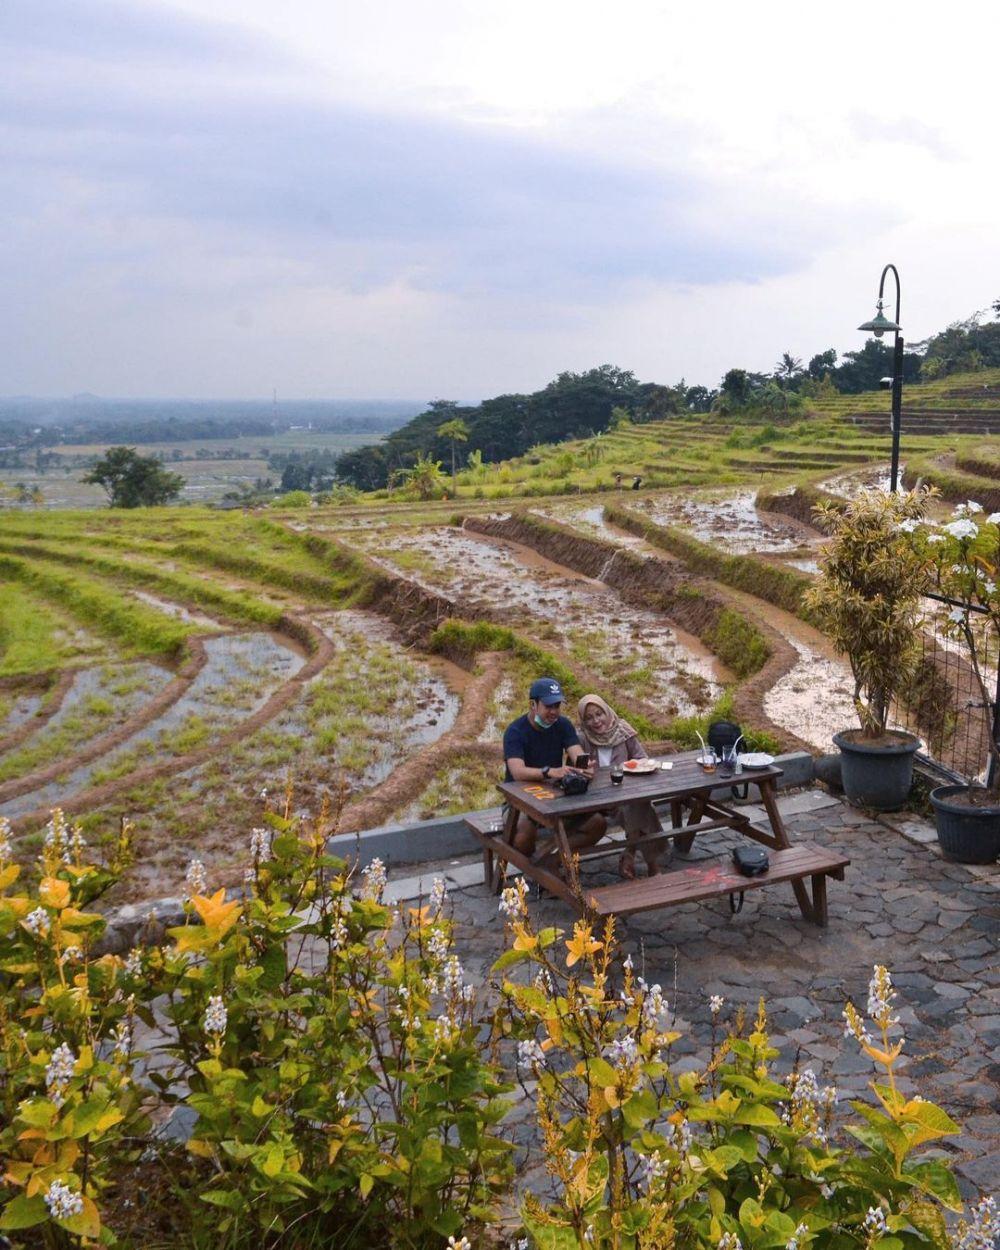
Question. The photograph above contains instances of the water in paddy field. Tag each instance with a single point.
(20, 707)
(591, 520)
(729, 521)
(579, 616)
(240, 674)
(177, 610)
(850, 485)
(813, 699)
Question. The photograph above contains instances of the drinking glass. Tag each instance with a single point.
(617, 774)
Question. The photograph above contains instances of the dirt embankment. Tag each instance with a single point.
(58, 691)
(662, 585)
(798, 504)
(322, 652)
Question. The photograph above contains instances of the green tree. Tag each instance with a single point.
(455, 431)
(134, 481)
(788, 368)
(425, 477)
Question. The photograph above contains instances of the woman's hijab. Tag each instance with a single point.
(616, 730)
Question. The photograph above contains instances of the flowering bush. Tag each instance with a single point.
(868, 593)
(965, 556)
(643, 1158)
(326, 1043)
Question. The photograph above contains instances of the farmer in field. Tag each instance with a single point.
(540, 747)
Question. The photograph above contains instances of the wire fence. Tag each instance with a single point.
(943, 703)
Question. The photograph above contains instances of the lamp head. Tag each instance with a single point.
(879, 324)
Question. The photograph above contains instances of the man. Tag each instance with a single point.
(534, 747)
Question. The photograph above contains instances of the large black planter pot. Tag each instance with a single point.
(970, 835)
(877, 776)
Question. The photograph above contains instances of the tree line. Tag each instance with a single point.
(576, 405)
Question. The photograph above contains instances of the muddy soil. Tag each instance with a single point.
(850, 485)
(728, 520)
(813, 700)
(580, 615)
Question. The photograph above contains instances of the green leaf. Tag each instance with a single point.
(928, 1219)
(933, 1120)
(758, 1115)
(509, 958)
(936, 1178)
(365, 1184)
(227, 1198)
(22, 1212)
(640, 1109)
(724, 1158)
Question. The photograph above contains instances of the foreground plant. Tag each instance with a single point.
(734, 1155)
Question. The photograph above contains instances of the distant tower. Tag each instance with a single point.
(274, 407)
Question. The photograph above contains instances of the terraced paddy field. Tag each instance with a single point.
(169, 665)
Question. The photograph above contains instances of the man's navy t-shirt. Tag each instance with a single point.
(539, 748)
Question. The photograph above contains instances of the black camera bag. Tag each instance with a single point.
(573, 783)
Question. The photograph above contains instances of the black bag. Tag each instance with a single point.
(573, 783)
(722, 736)
(750, 861)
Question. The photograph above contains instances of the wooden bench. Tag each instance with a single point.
(718, 877)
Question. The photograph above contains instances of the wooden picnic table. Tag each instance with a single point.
(688, 791)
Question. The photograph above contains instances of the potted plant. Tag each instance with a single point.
(965, 554)
(867, 600)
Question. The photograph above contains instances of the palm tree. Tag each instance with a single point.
(456, 431)
(787, 367)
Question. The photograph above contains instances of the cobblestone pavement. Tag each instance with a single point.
(933, 923)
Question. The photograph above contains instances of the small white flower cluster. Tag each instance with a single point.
(453, 983)
(961, 529)
(195, 881)
(5, 840)
(216, 1017)
(438, 944)
(908, 526)
(403, 994)
(969, 508)
(62, 1202)
(729, 1241)
(77, 844)
(881, 996)
(37, 922)
(57, 837)
(122, 1038)
(543, 981)
(438, 895)
(71, 954)
(530, 1054)
(810, 1104)
(654, 1005)
(514, 900)
(59, 1073)
(260, 845)
(981, 1230)
(715, 1004)
(444, 1030)
(373, 881)
(463, 1243)
(654, 1169)
(874, 1224)
(520, 1244)
(623, 1051)
(678, 1135)
(133, 964)
(793, 1242)
(341, 1100)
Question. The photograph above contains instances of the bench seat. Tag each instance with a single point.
(718, 877)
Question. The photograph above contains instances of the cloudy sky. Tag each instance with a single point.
(419, 198)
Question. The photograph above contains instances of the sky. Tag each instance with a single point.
(461, 198)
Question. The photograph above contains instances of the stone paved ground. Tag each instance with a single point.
(933, 923)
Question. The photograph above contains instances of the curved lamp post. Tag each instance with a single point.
(878, 326)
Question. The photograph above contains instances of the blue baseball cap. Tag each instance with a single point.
(546, 690)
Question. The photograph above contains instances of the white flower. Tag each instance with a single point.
(530, 1054)
(627, 963)
(623, 1051)
(520, 1244)
(935, 538)
(439, 892)
(874, 1223)
(216, 1017)
(956, 616)
(679, 1136)
(122, 1037)
(982, 1229)
(454, 978)
(62, 1202)
(654, 1005)
(968, 508)
(513, 900)
(37, 922)
(990, 586)
(729, 1241)
(133, 965)
(5, 843)
(373, 881)
(444, 1029)
(463, 1243)
(57, 836)
(59, 1073)
(908, 526)
(961, 529)
(71, 953)
(993, 518)
(881, 996)
(793, 1242)
(338, 933)
(260, 845)
(194, 879)
(715, 1003)
(77, 843)
(438, 944)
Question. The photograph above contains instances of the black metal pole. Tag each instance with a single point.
(897, 409)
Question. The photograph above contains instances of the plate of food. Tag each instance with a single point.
(756, 759)
(641, 766)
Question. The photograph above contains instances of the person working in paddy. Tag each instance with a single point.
(536, 748)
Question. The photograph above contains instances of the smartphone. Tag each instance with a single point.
(582, 761)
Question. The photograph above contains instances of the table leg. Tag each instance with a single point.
(685, 843)
(566, 852)
(782, 840)
(497, 867)
(819, 900)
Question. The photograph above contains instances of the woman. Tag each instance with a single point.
(611, 740)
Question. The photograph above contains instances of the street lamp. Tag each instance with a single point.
(878, 326)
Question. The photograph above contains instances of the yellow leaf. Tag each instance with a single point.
(215, 912)
(53, 893)
(581, 944)
(611, 1096)
(335, 1148)
(9, 875)
(203, 1149)
(85, 1061)
(523, 940)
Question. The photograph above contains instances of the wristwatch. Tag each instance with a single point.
(545, 772)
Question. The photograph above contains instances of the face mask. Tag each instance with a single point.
(541, 723)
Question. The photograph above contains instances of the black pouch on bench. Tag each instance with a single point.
(750, 861)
